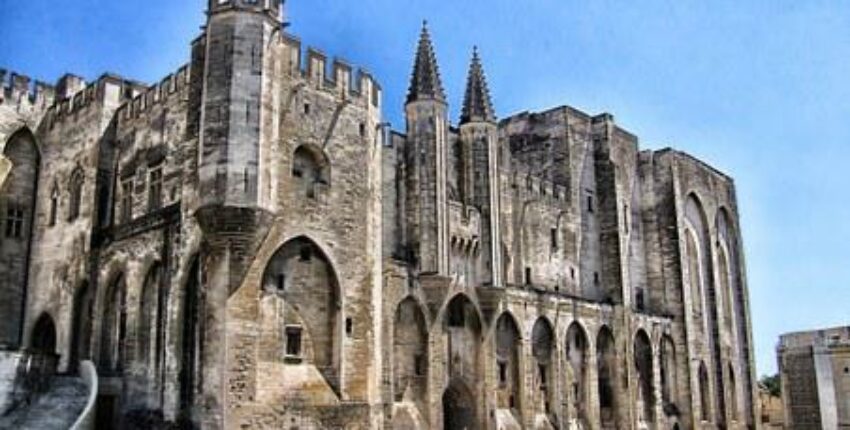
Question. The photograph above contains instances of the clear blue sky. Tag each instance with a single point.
(759, 89)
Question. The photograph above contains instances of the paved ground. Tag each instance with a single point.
(56, 409)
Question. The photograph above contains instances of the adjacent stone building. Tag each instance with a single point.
(814, 368)
(246, 244)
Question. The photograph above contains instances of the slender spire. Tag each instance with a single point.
(425, 83)
(477, 106)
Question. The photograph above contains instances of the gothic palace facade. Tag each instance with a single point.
(247, 245)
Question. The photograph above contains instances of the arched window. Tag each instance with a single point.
(694, 272)
(668, 371)
(311, 171)
(44, 335)
(733, 392)
(150, 335)
(725, 290)
(76, 193)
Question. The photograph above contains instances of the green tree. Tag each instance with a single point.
(773, 384)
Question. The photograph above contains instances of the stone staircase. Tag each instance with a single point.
(57, 408)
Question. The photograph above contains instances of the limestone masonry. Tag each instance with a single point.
(246, 244)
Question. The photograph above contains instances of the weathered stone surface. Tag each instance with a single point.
(245, 245)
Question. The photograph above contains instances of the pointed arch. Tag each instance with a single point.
(704, 396)
(18, 195)
(606, 373)
(150, 337)
(302, 274)
(577, 372)
(459, 407)
(410, 351)
(191, 339)
(43, 338)
(507, 338)
(311, 170)
(114, 326)
(643, 363)
(543, 351)
(669, 377)
(82, 323)
(75, 191)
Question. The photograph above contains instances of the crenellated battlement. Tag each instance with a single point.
(337, 75)
(524, 182)
(145, 98)
(24, 93)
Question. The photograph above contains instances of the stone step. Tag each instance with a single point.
(57, 408)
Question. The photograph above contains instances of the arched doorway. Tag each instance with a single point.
(114, 329)
(44, 336)
(459, 407)
(606, 372)
(507, 363)
(191, 342)
(543, 348)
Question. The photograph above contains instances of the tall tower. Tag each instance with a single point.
(237, 40)
(426, 158)
(479, 133)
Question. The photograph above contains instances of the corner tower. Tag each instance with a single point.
(426, 158)
(479, 134)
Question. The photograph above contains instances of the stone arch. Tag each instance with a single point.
(75, 192)
(18, 194)
(606, 373)
(311, 170)
(113, 326)
(303, 276)
(577, 360)
(462, 327)
(734, 410)
(191, 339)
(643, 363)
(150, 337)
(43, 338)
(81, 335)
(543, 351)
(508, 376)
(704, 396)
(459, 407)
(669, 377)
(410, 352)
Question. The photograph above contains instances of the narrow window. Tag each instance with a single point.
(14, 221)
(76, 195)
(155, 188)
(126, 200)
(306, 108)
(293, 342)
(553, 238)
(362, 130)
(349, 326)
(640, 300)
(595, 278)
(528, 276)
(281, 282)
(54, 206)
(503, 373)
(590, 203)
(626, 218)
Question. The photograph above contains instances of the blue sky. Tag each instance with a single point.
(760, 89)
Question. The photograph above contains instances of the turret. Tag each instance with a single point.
(426, 159)
(479, 137)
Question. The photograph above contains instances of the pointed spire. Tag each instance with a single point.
(477, 105)
(425, 83)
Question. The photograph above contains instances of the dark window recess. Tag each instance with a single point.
(640, 300)
(503, 373)
(419, 364)
(296, 172)
(362, 130)
(14, 221)
(155, 188)
(349, 326)
(306, 253)
(511, 401)
(126, 201)
(281, 282)
(553, 239)
(596, 278)
(527, 276)
(573, 273)
(306, 108)
(293, 342)
(456, 314)
(54, 206)
(76, 196)
(541, 370)
(590, 203)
